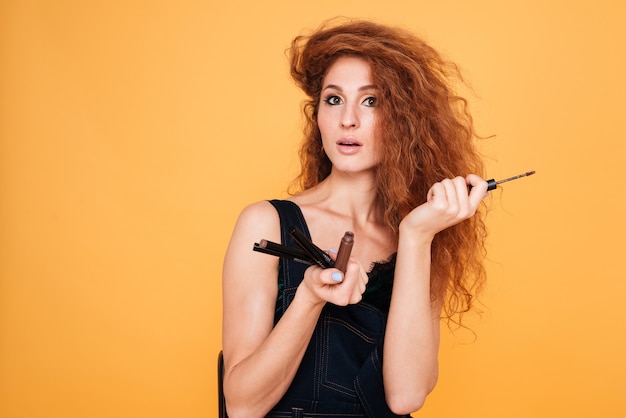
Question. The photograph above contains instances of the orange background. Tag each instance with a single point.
(133, 132)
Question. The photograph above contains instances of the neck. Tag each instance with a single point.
(352, 195)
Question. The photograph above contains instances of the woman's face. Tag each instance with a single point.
(347, 115)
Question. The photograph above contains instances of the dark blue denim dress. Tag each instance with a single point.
(341, 372)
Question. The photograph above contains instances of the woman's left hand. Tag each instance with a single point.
(448, 202)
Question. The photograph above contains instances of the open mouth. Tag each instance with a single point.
(349, 144)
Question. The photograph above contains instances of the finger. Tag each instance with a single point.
(479, 188)
(356, 299)
(356, 280)
(460, 187)
(466, 206)
(336, 276)
(354, 267)
(330, 276)
(452, 199)
(357, 292)
(435, 191)
(332, 253)
(364, 275)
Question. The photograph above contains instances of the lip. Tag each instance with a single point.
(348, 145)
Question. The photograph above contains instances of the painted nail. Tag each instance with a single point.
(337, 276)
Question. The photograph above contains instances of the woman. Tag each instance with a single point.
(388, 155)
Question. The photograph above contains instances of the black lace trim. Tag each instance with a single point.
(380, 267)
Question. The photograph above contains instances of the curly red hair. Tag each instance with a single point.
(427, 132)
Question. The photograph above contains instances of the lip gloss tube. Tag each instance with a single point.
(345, 248)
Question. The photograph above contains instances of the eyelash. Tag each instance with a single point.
(334, 100)
(371, 99)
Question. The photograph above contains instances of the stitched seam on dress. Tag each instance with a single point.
(325, 382)
(354, 330)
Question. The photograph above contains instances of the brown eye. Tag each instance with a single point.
(333, 100)
(370, 102)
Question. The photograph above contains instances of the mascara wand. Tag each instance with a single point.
(492, 184)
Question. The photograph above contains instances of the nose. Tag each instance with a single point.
(349, 117)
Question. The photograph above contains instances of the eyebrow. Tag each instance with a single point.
(362, 88)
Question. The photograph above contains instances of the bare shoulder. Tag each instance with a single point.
(262, 207)
(255, 222)
(258, 217)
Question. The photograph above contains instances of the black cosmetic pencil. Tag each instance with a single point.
(296, 252)
(283, 252)
(316, 254)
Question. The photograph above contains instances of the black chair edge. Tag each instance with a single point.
(220, 386)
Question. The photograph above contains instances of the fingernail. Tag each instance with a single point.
(337, 276)
(332, 250)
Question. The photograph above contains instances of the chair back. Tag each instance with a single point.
(220, 386)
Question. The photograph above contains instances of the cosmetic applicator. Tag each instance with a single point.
(315, 253)
(492, 184)
(290, 253)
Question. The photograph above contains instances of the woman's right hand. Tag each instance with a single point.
(331, 285)
(448, 203)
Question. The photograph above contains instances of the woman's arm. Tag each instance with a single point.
(261, 360)
(410, 366)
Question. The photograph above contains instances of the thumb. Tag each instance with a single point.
(331, 276)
